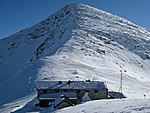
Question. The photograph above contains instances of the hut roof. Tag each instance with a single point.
(87, 85)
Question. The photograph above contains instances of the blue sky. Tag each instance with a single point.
(19, 14)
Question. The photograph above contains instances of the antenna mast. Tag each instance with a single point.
(120, 89)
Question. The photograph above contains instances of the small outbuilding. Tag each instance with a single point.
(62, 102)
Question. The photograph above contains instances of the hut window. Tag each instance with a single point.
(78, 91)
(59, 82)
(95, 91)
(56, 90)
(40, 91)
(65, 90)
(44, 91)
(71, 90)
(87, 90)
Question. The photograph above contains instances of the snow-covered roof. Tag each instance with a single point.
(60, 100)
(90, 85)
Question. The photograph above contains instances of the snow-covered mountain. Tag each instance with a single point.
(78, 42)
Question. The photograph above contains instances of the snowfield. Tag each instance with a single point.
(110, 106)
(97, 106)
(78, 42)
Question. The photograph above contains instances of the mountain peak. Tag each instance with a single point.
(77, 42)
(56, 29)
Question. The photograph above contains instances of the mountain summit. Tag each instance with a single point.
(78, 42)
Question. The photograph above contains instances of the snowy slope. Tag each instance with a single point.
(78, 42)
(109, 106)
(30, 44)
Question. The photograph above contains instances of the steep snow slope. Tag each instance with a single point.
(21, 49)
(78, 42)
(109, 106)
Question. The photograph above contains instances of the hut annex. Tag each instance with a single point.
(61, 94)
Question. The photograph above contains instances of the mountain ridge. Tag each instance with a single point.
(78, 42)
(31, 35)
